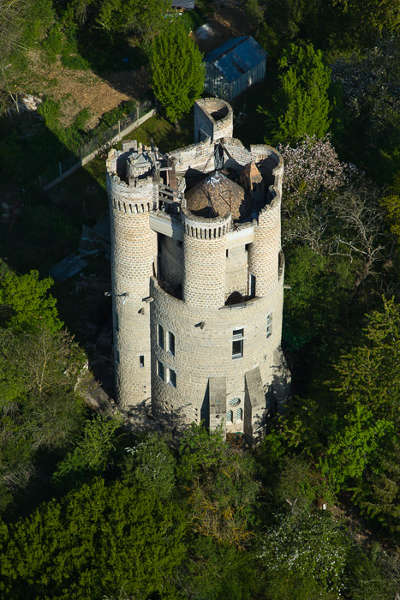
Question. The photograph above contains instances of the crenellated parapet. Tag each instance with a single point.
(206, 229)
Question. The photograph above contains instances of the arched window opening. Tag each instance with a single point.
(234, 402)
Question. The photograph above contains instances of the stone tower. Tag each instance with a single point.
(197, 275)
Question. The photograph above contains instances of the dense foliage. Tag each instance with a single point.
(177, 70)
(302, 99)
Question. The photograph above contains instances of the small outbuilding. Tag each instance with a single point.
(233, 67)
(182, 5)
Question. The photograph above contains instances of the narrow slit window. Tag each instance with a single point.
(171, 343)
(141, 361)
(239, 414)
(237, 343)
(161, 336)
(160, 369)
(172, 377)
(269, 325)
(229, 416)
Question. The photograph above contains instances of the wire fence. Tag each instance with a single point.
(57, 171)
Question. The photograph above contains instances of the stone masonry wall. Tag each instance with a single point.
(236, 274)
(204, 250)
(203, 348)
(133, 255)
(264, 251)
(212, 117)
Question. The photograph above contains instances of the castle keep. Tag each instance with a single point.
(197, 275)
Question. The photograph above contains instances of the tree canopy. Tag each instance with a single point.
(177, 70)
(303, 102)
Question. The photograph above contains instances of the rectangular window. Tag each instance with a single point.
(252, 285)
(160, 370)
(161, 336)
(116, 322)
(172, 377)
(237, 343)
(141, 360)
(269, 325)
(171, 343)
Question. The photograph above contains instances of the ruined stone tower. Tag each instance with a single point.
(197, 275)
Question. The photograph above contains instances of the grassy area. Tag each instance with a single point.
(157, 131)
(49, 226)
(161, 133)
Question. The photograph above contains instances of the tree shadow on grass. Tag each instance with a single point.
(118, 60)
(38, 229)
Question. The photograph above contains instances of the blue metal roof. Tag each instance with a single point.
(236, 56)
(186, 4)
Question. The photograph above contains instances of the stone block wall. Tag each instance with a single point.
(236, 273)
(203, 349)
(133, 259)
(196, 156)
(204, 246)
(213, 117)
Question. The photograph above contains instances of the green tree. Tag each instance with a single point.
(378, 495)
(354, 447)
(303, 99)
(369, 375)
(39, 408)
(98, 542)
(365, 23)
(218, 571)
(91, 453)
(177, 70)
(153, 465)
(25, 304)
(220, 485)
(23, 24)
(367, 388)
(142, 17)
(391, 204)
(305, 551)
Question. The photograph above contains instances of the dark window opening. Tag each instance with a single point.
(160, 368)
(141, 360)
(171, 343)
(172, 377)
(161, 336)
(237, 348)
(237, 343)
